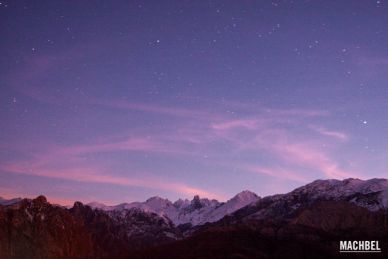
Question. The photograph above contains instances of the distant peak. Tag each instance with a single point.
(181, 203)
(245, 196)
(156, 198)
(196, 202)
(40, 199)
(352, 180)
(78, 204)
(246, 193)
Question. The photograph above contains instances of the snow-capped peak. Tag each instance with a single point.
(245, 196)
(157, 203)
(240, 200)
(197, 211)
(157, 199)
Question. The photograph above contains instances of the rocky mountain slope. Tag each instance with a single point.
(311, 232)
(309, 220)
(195, 212)
(370, 194)
(37, 229)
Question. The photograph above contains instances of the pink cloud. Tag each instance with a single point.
(305, 154)
(266, 118)
(235, 123)
(330, 133)
(277, 172)
(283, 144)
(93, 175)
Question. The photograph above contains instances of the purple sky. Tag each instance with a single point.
(117, 101)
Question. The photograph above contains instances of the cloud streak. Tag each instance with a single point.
(90, 175)
(278, 173)
(265, 136)
(330, 133)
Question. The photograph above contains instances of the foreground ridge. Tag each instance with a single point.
(312, 218)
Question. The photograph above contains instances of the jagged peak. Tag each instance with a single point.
(40, 200)
(78, 204)
(245, 194)
(196, 197)
(157, 202)
(158, 199)
(181, 203)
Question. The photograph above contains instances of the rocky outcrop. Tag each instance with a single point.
(36, 229)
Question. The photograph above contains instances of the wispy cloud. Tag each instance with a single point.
(251, 124)
(92, 175)
(285, 145)
(285, 174)
(308, 155)
(330, 133)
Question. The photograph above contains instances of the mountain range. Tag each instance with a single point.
(195, 212)
(309, 220)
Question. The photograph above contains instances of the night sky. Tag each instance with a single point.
(118, 101)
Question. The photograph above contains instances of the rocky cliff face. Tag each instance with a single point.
(36, 229)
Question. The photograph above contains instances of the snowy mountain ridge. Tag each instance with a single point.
(196, 212)
(354, 190)
(371, 194)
